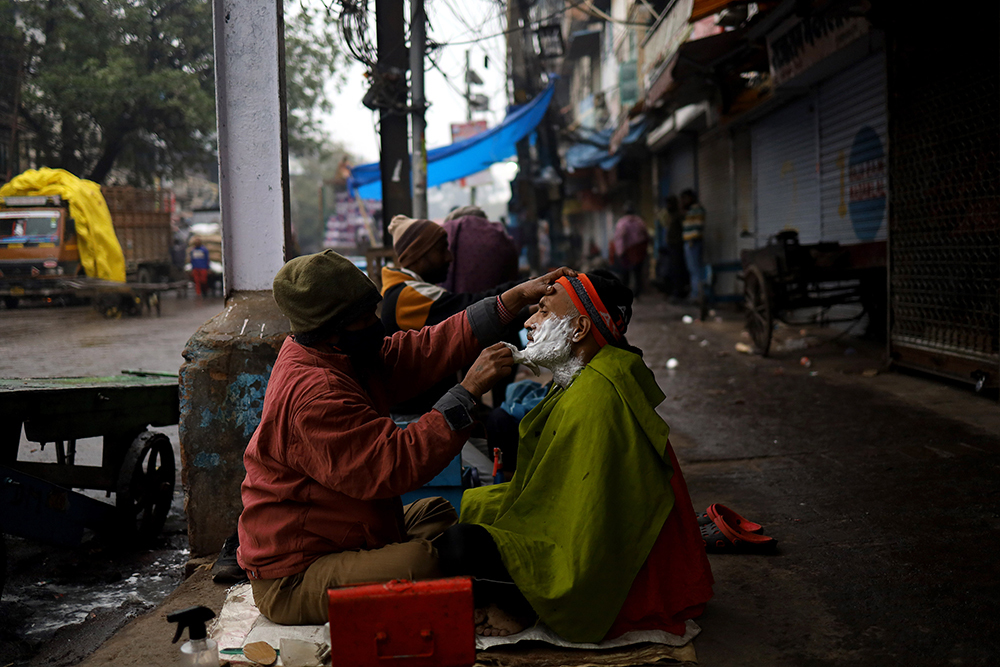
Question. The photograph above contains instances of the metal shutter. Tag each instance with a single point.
(743, 173)
(786, 185)
(677, 169)
(944, 224)
(853, 151)
(717, 197)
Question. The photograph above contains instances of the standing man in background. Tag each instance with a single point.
(631, 241)
(694, 227)
(483, 253)
(199, 266)
(677, 273)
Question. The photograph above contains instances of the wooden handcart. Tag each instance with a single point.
(784, 277)
(137, 464)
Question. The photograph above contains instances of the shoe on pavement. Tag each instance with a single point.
(226, 570)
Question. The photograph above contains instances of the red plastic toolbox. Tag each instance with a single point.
(404, 624)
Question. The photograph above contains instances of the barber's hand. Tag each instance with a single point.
(494, 362)
(529, 292)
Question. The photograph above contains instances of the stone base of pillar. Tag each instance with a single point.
(226, 367)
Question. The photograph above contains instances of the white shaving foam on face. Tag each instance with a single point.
(551, 347)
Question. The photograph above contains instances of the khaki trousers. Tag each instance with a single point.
(300, 599)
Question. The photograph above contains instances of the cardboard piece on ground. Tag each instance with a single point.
(540, 655)
(541, 633)
(240, 623)
(539, 646)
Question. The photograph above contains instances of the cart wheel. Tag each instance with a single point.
(757, 302)
(146, 485)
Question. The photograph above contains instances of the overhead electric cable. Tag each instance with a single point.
(508, 30)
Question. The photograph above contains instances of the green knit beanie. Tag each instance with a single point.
(323, 289)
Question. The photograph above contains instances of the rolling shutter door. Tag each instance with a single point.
(786, 185)
(677, 166)
(717, 197)
(944, 223)
(743, 173)
(853, 152)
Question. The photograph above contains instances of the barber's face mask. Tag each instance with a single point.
(363, 344)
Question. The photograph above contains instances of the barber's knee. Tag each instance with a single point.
(282, 601)
(421, 559)
(434, 508)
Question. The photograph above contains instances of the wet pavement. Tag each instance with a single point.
(59, 604)
(881, 489)
(886, 511)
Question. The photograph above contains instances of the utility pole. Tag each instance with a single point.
(468, 112)
(418, 39)
(524, 90)
(468, 88)
(395, 163)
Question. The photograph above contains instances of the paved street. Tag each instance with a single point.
(886, 510)
(881, 490)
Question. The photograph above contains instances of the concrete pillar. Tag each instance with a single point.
(229, 360)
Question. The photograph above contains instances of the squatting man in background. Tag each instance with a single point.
(326, 466)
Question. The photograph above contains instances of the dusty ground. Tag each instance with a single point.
(882, 492)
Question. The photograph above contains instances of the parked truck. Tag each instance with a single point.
(142, 225)
(40, 243)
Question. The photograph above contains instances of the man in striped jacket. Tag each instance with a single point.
(694, 226)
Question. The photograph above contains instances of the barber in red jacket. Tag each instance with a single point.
(326, 466)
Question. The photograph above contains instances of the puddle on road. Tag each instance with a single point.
(72, 592)
(51, 605)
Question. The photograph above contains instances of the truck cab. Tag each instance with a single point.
(38, 244)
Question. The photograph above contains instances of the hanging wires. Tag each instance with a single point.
(355, 29)
(509, 30)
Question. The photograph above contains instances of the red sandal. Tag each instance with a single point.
(725, 534)
(748, 526)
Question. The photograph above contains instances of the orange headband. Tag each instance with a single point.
(581, 291)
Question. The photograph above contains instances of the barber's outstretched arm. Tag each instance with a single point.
(529, 292)
(366, 456)
(493, 364)
(418, 359)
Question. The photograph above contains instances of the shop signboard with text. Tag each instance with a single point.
(801, 43)
(462, 131)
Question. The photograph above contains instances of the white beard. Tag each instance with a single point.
(551, 347)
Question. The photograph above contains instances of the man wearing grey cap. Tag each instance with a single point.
(326, 466)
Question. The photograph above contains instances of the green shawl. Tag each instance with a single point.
(589, 498)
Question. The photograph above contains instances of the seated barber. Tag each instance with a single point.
(595, 534)
(326, 466)
(413, 298)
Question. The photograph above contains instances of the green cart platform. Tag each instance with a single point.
(137, 465)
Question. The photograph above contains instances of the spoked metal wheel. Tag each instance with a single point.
(757, 305)
(146, 485)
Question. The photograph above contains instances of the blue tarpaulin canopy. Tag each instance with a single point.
(467, 157)
(594, 149)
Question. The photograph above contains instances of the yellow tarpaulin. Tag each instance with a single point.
(100, 253)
